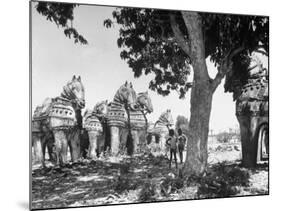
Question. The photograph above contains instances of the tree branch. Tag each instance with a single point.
(225, 66)
(163, 37)
(179, 37)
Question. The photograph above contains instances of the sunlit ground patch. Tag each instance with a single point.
(96, 178)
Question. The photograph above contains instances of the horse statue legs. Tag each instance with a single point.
(63, 139)
(37, 148)
(61, 145)
(40, 141)
(93, 146)
(136, 140)
(74, 144)
(114, 137)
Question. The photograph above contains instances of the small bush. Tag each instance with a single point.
(148, 192)
(124, 169)
(221, 181)
(171, 185)
(124, 184)
(157, 161)
(224, 137)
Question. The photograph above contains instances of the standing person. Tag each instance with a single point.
(172, 143)
(181, 143)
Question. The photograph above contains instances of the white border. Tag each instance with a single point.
(14, 16)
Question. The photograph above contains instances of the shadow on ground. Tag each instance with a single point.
(138, 179)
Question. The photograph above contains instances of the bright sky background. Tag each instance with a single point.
(55, 59)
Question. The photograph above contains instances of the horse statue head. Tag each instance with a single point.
(166, 119)
(101, 108)
(75, 92)
(126, 95)
(144, 102)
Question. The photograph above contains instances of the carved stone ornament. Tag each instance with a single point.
(54, 114)
(253, 100)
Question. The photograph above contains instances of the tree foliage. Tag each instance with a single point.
(62, 15)
(147, 39)
(148, 44)
(224, 137)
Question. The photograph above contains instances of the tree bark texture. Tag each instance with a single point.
(197, 145)
(201, 96)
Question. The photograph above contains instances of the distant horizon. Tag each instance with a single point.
(55, 59)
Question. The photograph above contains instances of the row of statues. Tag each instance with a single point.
(58, 124)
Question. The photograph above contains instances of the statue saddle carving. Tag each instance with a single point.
(137, 120)
(253, 100)
(93, 123)
(56, 113)
(116, 115)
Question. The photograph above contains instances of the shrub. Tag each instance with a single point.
(224, 137)
(221, 181)
(171, 185)
(148, 192)
(124, 184)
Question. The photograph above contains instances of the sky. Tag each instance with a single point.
(55, 59)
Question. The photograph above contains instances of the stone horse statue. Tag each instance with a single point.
(123, 102)
(139, 123)
(252, 114)
(57, 123)
(96, 124)
(158, 132)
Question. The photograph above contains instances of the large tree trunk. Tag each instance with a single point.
(202, 89)
(197, 145)
(201, 95)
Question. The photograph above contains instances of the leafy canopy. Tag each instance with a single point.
(148, 45)
(61, 14)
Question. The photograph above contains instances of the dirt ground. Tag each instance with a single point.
(145, 177)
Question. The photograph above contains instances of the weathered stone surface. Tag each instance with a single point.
(253, 100)
(54, 114)
(137, 120)
(252, 113)
(60, 118)
(92, 123)
(160, 130)
(116, 115)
